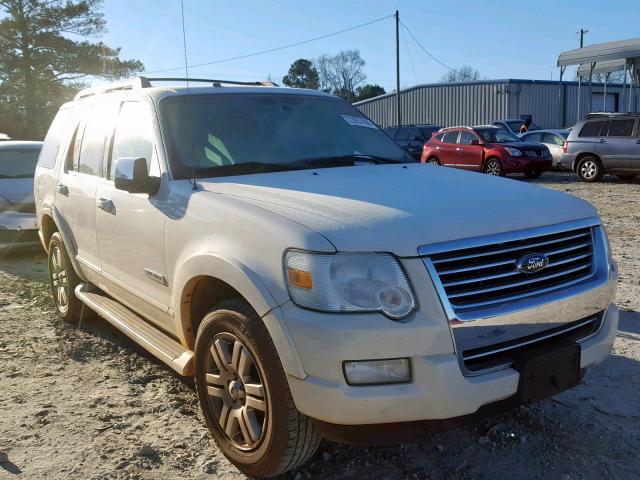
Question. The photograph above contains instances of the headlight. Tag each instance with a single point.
(514, 152)
(348, 282)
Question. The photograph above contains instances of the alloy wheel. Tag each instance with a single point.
(433, 162)
(589, 169)
(236, 391)
(493, 168)
(59, 279)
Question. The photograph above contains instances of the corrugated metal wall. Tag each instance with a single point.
(483, 102)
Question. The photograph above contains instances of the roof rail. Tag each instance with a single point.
(457, 126)
(145, 82)
(611, 114)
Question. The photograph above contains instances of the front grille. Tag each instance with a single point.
(486, 276)
(535, 153)
(506, 353)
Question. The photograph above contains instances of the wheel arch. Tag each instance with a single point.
(205, 280)
(47, 228)
(580, 156)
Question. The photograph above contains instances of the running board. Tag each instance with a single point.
(133, 326)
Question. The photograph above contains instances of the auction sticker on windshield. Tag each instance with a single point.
(358, 121)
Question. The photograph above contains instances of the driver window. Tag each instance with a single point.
(466, 138)
(134, 137)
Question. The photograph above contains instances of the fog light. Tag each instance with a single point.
(377, 372)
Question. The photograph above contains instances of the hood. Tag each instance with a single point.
(397, 208)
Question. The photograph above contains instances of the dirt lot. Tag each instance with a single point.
(82, 402)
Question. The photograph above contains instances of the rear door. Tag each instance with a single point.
(131, 225)
(75, 192)
(617, 146)
(448, 152)
(469, 155)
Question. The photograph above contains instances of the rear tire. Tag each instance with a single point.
(590, 169)
(493, 167)
(244, 394)
(63, 280)
(433, 161)
(627, 177)
(531, 174)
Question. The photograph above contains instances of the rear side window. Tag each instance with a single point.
(591, 129)
(18, 162)
(450, 137)
(58, 134)
(552, 139)
(534, 137)
(134, 136)
(621, 128)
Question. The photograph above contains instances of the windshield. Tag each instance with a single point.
(496, 135)
(18, 163)
(236, 134)
(428, 131)
(515, 126)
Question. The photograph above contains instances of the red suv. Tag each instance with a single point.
(486, 149)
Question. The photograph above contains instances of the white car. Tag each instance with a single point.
(316, 281)
(554, 140)
(18, 228)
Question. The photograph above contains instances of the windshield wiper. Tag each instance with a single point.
(344, 160)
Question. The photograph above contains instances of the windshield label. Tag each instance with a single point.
(358, 121)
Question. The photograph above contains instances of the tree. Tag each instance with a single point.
(41, 66)
(462, 75)
(302, 74)
(342, 73)
(369, 91)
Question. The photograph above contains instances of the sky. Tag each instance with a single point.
(501, 39)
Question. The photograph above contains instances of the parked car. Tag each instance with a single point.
(553, 139)
(487, 149)
(4, 137)
(412, 137)
(513, 125)
(313, 279)
(604, 143)
(18, 228)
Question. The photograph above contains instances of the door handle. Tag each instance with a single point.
(63, 190)
(106, 204)
(602, 140)
(458, 149)
(438, 148)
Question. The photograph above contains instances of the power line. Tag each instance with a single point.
(406, 47)
(427, 51)
(290, 45)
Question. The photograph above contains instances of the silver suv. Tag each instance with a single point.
(277, 246)
(604, 143)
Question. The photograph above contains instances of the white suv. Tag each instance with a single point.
(316, 282)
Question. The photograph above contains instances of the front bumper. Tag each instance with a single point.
(438, 390)
(525, 164)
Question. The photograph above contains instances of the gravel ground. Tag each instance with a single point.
(85, 402)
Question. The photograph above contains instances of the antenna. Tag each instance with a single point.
(186, 73)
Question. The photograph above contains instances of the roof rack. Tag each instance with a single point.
(145, 82)
(611, 114)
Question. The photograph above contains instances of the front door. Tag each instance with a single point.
(131, 225)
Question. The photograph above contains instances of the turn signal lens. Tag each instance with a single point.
(376, 372)
(300, 278)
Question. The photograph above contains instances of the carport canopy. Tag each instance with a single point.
(601, 52)
(602, 67)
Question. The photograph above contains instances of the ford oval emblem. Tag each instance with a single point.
(532, 263)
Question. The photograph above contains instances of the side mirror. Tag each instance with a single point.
(132, 175)
(475, 142)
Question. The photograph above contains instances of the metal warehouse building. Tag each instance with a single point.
(551, 105)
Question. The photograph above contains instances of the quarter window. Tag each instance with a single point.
(58, 132)
(591, 129)
(552, 139)
(134, 137)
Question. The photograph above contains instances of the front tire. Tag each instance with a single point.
(590, 169)
(244, 394)
(433, 161)
(63, 280)
(493, 167)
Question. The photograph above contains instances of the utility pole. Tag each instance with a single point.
(582, 32)
(398, 113)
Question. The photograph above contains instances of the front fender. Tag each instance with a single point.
(248, 284)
